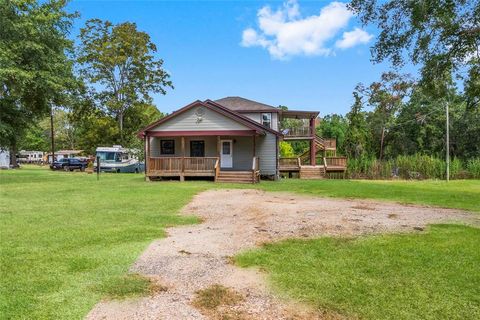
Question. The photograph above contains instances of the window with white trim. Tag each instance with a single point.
(267, 119)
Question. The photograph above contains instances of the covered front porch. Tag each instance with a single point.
(222, 156)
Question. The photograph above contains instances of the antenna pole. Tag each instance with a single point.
(448, 145)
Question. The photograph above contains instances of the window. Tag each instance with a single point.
(226, 147)
(267, 119)
(167, 146)
(197, 148)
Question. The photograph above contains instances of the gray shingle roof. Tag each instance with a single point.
(240, 104)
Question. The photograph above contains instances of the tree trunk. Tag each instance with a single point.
(381, 143)
(13, 154)
(120, 122)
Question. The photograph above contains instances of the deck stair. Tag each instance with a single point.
(312, 172)
(236, 177)
(322, 145)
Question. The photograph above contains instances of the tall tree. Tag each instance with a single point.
(35, 70)
(356, 136)
(386, 97)
(119, 62)
(441, 36)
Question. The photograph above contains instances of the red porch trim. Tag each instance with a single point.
(202, 133)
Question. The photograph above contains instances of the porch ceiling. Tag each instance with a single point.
(293, 114)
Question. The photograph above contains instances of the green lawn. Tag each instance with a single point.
(460, 194)
(429, 275)
(67, 240)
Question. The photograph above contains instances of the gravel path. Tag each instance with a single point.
(197, 256)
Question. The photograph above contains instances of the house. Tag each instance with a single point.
(231, 140)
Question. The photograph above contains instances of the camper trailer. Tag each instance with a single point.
(118, 159)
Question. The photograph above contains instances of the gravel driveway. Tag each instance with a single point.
(197, 256)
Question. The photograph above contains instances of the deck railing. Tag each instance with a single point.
(289, 163)
(297, 132)
(335, 163)
(182, 165)
(328, 143)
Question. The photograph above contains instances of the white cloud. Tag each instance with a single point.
(284, 33)
(353, 38)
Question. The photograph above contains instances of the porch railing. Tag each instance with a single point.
(182, 165)
(256, 169)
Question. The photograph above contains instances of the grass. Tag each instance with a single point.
(214, 302)
(67, 240)
(215, 296)
(456, 194)
(429, 275)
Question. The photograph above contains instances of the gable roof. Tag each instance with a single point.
(208, 101)
(258, 128)
(239, 104)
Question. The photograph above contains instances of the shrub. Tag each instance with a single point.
(473, 168)
(411, 167)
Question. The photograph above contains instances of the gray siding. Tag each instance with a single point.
(257, 117)
(242, 153)
(267, 151)
(210, 146)
(188, 121)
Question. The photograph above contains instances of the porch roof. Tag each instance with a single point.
(297, 114)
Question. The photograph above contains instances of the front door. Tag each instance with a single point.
(226, 154)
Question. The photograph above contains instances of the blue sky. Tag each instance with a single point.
(201, 43)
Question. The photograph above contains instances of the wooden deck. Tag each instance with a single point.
(199, 167)
(319, 171)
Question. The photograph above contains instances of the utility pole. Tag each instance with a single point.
(448, 144)
(52, 134)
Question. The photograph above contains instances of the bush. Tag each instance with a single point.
(473, 168)
(411, 167)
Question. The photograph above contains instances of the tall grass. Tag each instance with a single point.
(412, 167)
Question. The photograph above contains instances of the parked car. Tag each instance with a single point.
(69, 164)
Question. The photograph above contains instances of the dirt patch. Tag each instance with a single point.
(194, 258)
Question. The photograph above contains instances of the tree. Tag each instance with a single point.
(442, 36)
(386, 97)
(356, 136)
(286, 150)
(35, 70)
(334, 126)
(118, 61)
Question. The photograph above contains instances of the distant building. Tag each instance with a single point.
(4, 159)
(30, 156)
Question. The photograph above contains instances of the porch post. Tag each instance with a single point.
(254, 151)
(182, 177)
(313, 150)
(147, 156)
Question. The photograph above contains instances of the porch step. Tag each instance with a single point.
(312, 172)
(235, 176)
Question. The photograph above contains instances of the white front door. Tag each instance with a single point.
(226, 154)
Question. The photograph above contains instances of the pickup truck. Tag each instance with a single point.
(68, 164)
